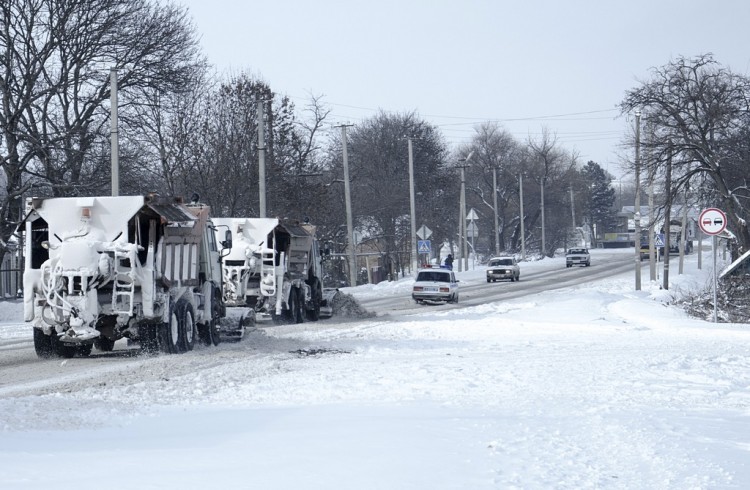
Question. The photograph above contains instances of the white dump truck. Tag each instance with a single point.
(274, 269)
(99, 269)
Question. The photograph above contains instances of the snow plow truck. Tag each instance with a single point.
(99, 269)
(273, 270)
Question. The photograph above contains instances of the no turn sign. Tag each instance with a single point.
(712, 221)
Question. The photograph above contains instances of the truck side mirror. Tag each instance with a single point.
(227, 243)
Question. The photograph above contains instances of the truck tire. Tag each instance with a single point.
(42, 344)
(299, 315)
(104, 344)
(289, 315)
(61, 349)
(84, 350)
(313, 314)
(188, 330)
(168, 333)
(209, 332)
(147, 335)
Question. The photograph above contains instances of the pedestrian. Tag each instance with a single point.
(449, 262)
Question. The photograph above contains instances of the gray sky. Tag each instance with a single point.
(563, 65)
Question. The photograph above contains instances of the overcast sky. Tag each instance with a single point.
(563, 65)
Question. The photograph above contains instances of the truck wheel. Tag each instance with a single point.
(290, 314)
(209, 332)
(216, 314)
(147, 336)
(84, 350)
(512, 278)
(317, 299)
(299, 316)
(42, 344)
(187, 326)
(168, 333)
(61, 349)
(104, 344)
(489, 280)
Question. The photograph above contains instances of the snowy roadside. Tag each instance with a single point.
(595, 387)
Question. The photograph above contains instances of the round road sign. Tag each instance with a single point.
(712, 221)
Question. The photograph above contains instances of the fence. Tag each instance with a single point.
(11, 283)
(11, 275)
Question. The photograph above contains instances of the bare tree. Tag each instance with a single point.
(221, 160)
(379, 162)
(55, 59)
(553, 169)
(699, 110)
(497, 156)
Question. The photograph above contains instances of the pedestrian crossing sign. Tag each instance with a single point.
(423, 246)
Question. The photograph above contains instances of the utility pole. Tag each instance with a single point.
(114, 138)
(494, 207)
(463, 239)
(573, 209)
(523, 233)
(462, 223)
(544, 247)
(349, 221)
(261, 157)
(637, 214)
(414, 252)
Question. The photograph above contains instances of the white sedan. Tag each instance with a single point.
(435, 285)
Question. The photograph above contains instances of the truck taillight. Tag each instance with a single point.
(86, 213)
(444, 290)
(418, 288)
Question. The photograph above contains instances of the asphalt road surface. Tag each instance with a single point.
(23, 373)
(477, 292)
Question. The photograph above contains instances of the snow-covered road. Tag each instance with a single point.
(596, 386)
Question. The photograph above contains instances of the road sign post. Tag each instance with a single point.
(712, 222)
(424, 248)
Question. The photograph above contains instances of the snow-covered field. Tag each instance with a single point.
(593, 387)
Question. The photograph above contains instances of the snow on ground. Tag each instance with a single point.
(593, 387)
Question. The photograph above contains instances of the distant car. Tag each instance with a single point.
(503, 268)
(577, 256)
(435, 285)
